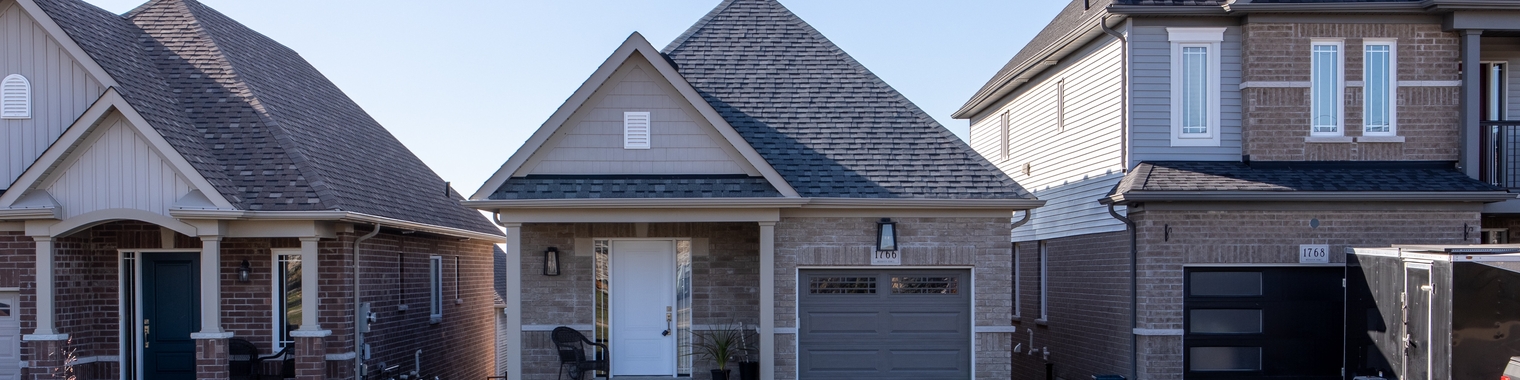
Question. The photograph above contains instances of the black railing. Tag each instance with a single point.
(1501, 153)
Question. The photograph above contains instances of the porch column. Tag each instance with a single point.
(1471, 100)
(767, 300)
(211, 284)
(310, 268)
(45, 284)
(514, 300)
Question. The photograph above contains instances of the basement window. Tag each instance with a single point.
(15, 97)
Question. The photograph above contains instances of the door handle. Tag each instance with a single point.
(667, 322)
(147, 330)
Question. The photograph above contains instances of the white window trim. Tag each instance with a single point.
(1003, 135)
(435, 289)
(1340, 85)
(277, 304)
(25, 100)
(1044, 283)
(1393, 85)
(1061, 105)
(1213, 39)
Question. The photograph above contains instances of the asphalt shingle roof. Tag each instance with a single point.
(828, 125)
(1299, 176)
(607, 187)
(268, 130)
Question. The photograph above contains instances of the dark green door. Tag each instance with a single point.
(171, 311)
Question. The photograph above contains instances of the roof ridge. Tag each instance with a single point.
(701, 23)
(249, 94)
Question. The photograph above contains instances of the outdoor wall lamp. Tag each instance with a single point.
(243, 272)
(551, 262)
(886, 235)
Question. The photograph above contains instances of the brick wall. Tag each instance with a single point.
(847, 241)
(1276, 119)
(1230, 237)
(1088, 326)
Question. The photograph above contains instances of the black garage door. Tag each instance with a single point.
(1263, 323)
(884, 324)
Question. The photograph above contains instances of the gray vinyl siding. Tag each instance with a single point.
(1087, 147)
(1072, 209)
(61, 91)
(1151, 99)
(1506, 49)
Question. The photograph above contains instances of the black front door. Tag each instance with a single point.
(170, 312)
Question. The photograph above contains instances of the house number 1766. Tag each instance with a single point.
(886, 258)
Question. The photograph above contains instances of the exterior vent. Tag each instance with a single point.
(1025, 169)
(15, 98)
(635, 130)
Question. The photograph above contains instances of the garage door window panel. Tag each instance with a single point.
(925, 285)
(842, 285)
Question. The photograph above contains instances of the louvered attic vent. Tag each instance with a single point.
(635, 130)
(15, 98)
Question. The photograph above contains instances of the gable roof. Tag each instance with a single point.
(1195, 180)
(262, 125)
(831, 127)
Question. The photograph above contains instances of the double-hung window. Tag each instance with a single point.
(287, 295)
(1195, 85)
(1380, 88)
(1326, 88)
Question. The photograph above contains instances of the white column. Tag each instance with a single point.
(767, 300)
(310, 268)
(211, 284)
(514, 300)
(45, 285)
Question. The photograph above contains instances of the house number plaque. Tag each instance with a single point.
(886, 258)
(1314, 254)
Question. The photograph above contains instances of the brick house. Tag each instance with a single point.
(743, 176)
(177, 184)
(1207, 162)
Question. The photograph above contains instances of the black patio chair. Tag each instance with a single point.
(286, 369)
(242, 357)
(572, 352)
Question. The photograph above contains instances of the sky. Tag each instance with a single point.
(464, 83)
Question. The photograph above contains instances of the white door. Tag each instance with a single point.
(10, 336)
(643, 297)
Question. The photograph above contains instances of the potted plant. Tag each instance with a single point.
(720, 346)
(749, 369)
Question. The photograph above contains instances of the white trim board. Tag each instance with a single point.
(635, 44)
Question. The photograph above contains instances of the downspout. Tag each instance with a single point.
(1134, 295)
(358, 310)
(1123, 92)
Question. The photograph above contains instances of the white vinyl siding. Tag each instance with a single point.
(1089, 147)
(1152, 127)
(1326, 89)
(1195, 72)
(15, 97)
(60, 90)
(116, 168)
(1380, 88)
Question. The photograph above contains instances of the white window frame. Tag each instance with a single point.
(1339, 85)
(24, 99)
(277, 304)
(435, 289)
(1018, 298)
(1044, 283)
(1003, 135)
(1211, 39)
(1061, 105)
(1393, 86)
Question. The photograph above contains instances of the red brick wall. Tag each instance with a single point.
(1276, 120)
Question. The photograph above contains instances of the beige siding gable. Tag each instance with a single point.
(61, 89)
(590, 142)
(115, 167)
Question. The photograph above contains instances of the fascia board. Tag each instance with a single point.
(79, 133)
(336, 216)
(1451, 5)
(634, 44)
(1309, 196)
(1353, 7)
(1168, 10)
(922, 203)
(67, 42)
(739, 203)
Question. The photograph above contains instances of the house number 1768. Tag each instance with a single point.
(886, 258)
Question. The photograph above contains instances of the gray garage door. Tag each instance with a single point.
(884, 324)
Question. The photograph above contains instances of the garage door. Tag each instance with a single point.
(884, 324)
(10, 337)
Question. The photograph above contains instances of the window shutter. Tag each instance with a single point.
(15, 97)
(635, 130)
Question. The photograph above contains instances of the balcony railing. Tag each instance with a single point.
(1501, 153)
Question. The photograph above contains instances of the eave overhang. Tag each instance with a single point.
(333, 216)
(1306, 196)
(768, 203)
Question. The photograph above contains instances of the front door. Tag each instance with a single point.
(170, 312)
(10, 336)
(1417, 322)
(643, 301)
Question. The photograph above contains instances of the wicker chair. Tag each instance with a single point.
(572, 352)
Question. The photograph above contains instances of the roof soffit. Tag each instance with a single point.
(79, 136)
(635, 44)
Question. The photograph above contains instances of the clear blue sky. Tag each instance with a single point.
(463, 83)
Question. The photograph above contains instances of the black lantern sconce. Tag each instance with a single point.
(886, 235)
(243, 272)
(551, 262)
